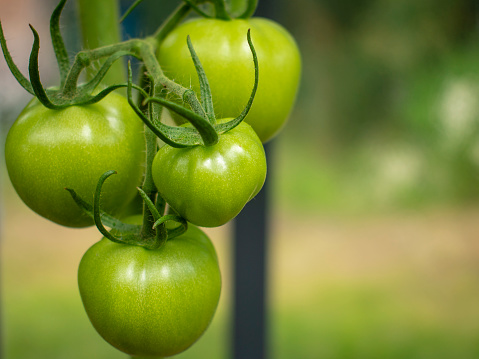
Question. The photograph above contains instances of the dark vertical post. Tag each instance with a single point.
(251, 232)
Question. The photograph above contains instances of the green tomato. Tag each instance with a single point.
(223, 50)
(210, 185)
(48, 150)
(151, 303)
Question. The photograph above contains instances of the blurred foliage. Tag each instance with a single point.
(386, 116)
(360, 56)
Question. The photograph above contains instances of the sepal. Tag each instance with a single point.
(129, 233)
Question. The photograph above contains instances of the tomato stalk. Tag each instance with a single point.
(100, 27)
(146, 51)
(220, 10)
(84, 58)
(151, 140)
(148, 185)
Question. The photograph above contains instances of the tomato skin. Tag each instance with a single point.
(47, 150)
(210, 185)
(151, 302)
(226, 57)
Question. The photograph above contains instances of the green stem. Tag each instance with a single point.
(151, 149)
(84, 58)
(151, 141)
(144, 49)
(158, 77)
(149, 185)
(147, 54)
(100, 27)
(220, 10)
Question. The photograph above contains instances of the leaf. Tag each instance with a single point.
(225, 127)
(58, 43)
(35, 74)
(206, 99)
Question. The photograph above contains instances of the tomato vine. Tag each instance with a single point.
(203, 174)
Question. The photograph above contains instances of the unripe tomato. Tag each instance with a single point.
(210, 185)
(151, 303)
(47, 150)
(223, 50)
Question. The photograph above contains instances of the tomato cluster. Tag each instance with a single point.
(151, 286)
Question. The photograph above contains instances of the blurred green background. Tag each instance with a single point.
(375, 238)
